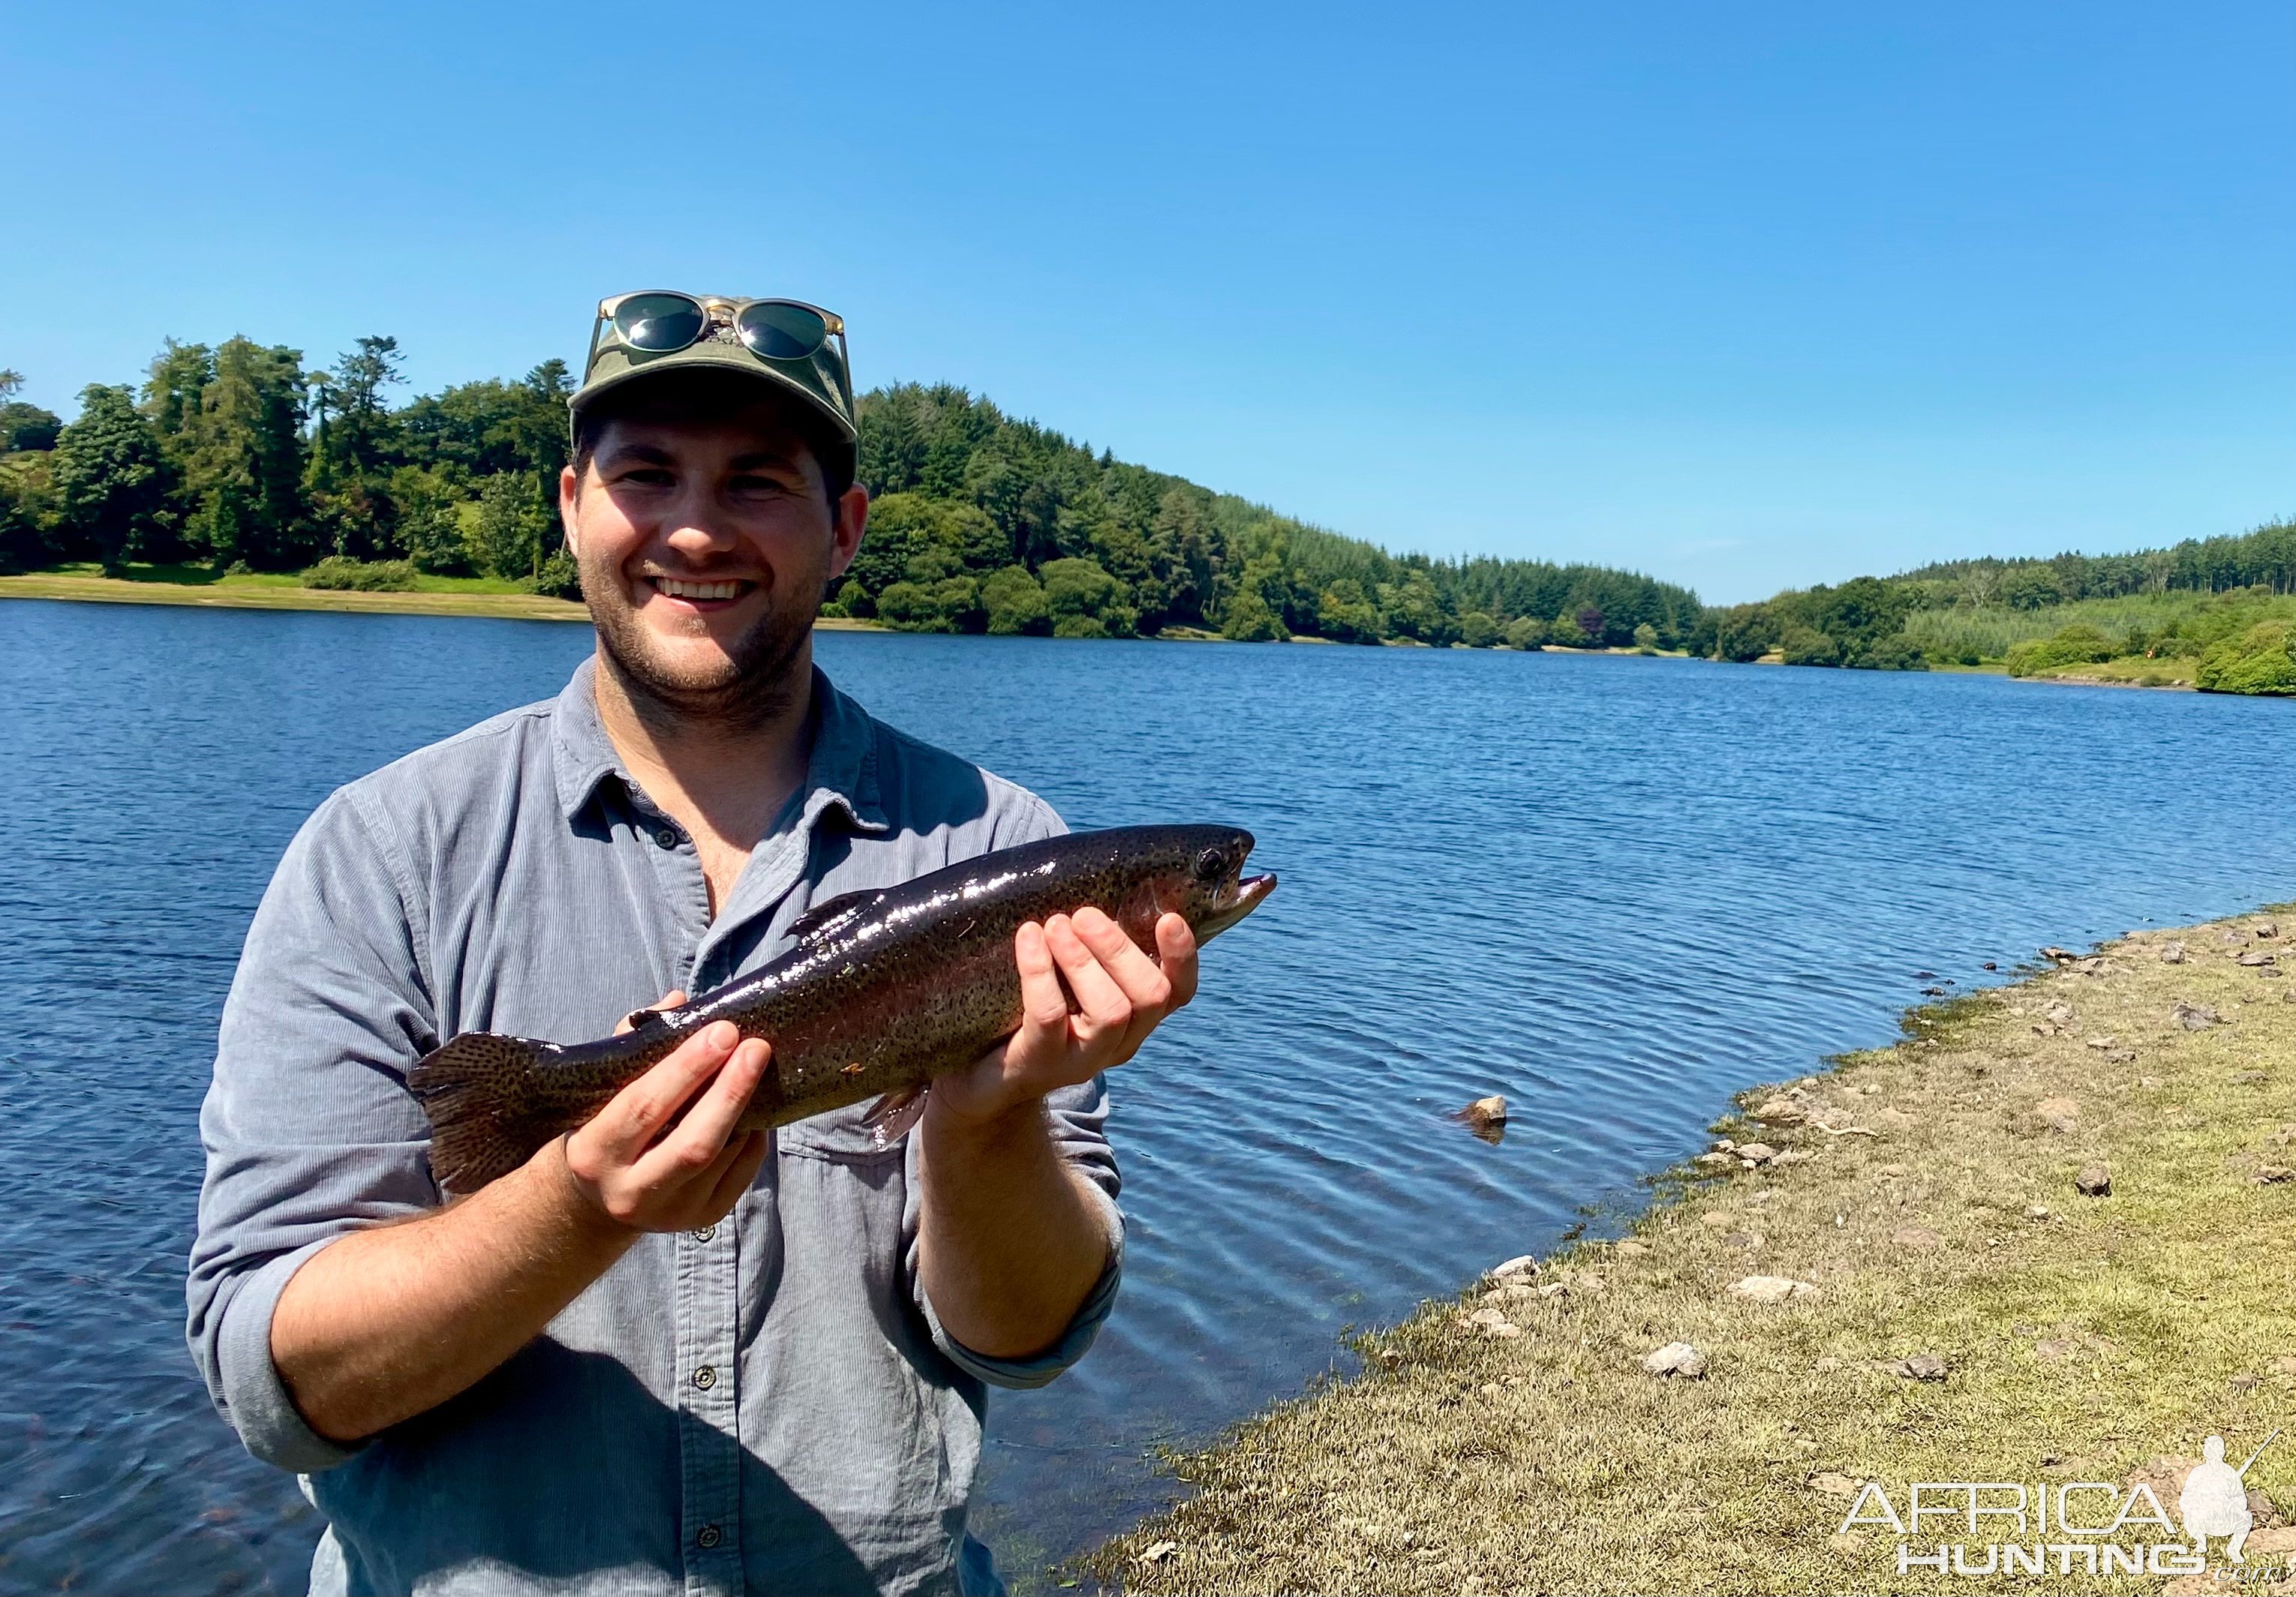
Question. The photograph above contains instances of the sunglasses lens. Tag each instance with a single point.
(659, 321)
(779, 330)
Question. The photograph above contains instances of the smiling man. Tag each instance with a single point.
(662, 1357)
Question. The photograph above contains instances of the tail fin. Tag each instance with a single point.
(476, 1090)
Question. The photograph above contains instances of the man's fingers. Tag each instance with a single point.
(1175, 953)
(1102, 1005)
(1144, 986)
(641, 1110)
(1043, 1005)
(744, 1155)
(699, 1140)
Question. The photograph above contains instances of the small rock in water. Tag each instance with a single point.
(1989, 965)
(1771, 1288)
(2172, 953)
(1923, 1366)
(1932, 992)
(2195, 1016)
(2095, 1181)
(1675, 1358)
(1486, 1112)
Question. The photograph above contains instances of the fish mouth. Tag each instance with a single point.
(1251, 892)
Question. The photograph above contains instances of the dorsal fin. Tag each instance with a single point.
(827, 918)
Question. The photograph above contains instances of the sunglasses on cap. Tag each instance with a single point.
(660, 320)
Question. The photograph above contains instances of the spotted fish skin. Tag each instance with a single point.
(881, 991)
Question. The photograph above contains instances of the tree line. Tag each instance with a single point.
(237, 457)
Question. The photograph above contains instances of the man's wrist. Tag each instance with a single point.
(575, 1204)
(965, 1139)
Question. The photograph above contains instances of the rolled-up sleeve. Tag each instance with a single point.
(1079, 1122)
(308, 1130)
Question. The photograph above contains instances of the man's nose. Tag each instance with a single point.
(698, 526)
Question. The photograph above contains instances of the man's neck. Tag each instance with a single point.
(723, 781)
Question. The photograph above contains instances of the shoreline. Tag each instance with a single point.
(272, 595)
(1917, 1202)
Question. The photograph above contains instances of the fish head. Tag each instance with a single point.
(1205, 883)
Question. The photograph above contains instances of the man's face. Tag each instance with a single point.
(705, 548)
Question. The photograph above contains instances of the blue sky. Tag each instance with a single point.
(1742, 296)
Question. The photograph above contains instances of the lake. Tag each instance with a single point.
(1615, 889)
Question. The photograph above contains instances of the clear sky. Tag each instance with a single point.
(1744, 296)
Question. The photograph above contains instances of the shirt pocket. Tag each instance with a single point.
(840, 1137)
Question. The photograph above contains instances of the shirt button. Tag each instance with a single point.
(706, 1376)
(666, 838)
(705, 1233)
(709, 1536)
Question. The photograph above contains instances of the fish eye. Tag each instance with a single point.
(1209, 864)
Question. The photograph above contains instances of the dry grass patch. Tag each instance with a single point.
(1925, 1197)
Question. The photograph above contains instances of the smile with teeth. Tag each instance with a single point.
(674, 588)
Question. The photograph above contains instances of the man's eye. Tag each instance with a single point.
(652, 476)
(757, 485)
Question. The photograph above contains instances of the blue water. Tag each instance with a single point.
(1614, 890)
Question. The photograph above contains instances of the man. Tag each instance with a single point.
(660, 1357)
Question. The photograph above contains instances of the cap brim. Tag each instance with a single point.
(711, 357)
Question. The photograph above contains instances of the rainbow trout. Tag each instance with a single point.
(882, 991)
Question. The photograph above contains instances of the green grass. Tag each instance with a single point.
(2095, 1341)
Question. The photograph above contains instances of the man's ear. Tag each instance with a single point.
(570, 496)
(851, 520)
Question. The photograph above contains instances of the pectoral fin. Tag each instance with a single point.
(890, 1117)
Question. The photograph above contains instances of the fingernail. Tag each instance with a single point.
(726, 1035)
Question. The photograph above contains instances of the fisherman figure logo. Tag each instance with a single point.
(2214, 1502)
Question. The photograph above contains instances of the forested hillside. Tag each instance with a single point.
(985, 523)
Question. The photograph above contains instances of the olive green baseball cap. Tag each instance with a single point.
(795, 349)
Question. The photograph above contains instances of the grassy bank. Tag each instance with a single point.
(197, 585)
(1927, 1195)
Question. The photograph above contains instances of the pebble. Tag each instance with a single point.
(1755, 1153)
(2063, 1114)
(2095, 1181)
(1675, 1358)
(1923, 1366)
(2195, 1016)
(2036, 1211)
(2266, 929)
(1771, 1288)
(1521, 1264)
(2257, 959)
(2103, 1042)
(2172, 953)
(1158, 1552)
(1553, 1290)
(1780, 1112)
(1989, 965)
(1717, 1160)
(2276, 1174)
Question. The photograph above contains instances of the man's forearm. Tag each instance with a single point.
(1012, 1238)
(387, 1323)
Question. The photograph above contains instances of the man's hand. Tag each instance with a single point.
(1012, 1238)
(1120, 996)
(659, 1158)
(383, 1325)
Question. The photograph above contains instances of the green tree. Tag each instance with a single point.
(1345, 615)
(1084, 601)
(27, 427)
(1016, 602)
(1526, 631)
(1565, 632)
(238, 443)
(505, 536)
(111, 478)
(1646, 639)
(1249, 621)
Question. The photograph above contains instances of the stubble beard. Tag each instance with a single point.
(756, 684)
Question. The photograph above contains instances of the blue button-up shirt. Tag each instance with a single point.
(769, 1404)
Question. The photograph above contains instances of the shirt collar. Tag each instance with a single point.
(841, 767)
